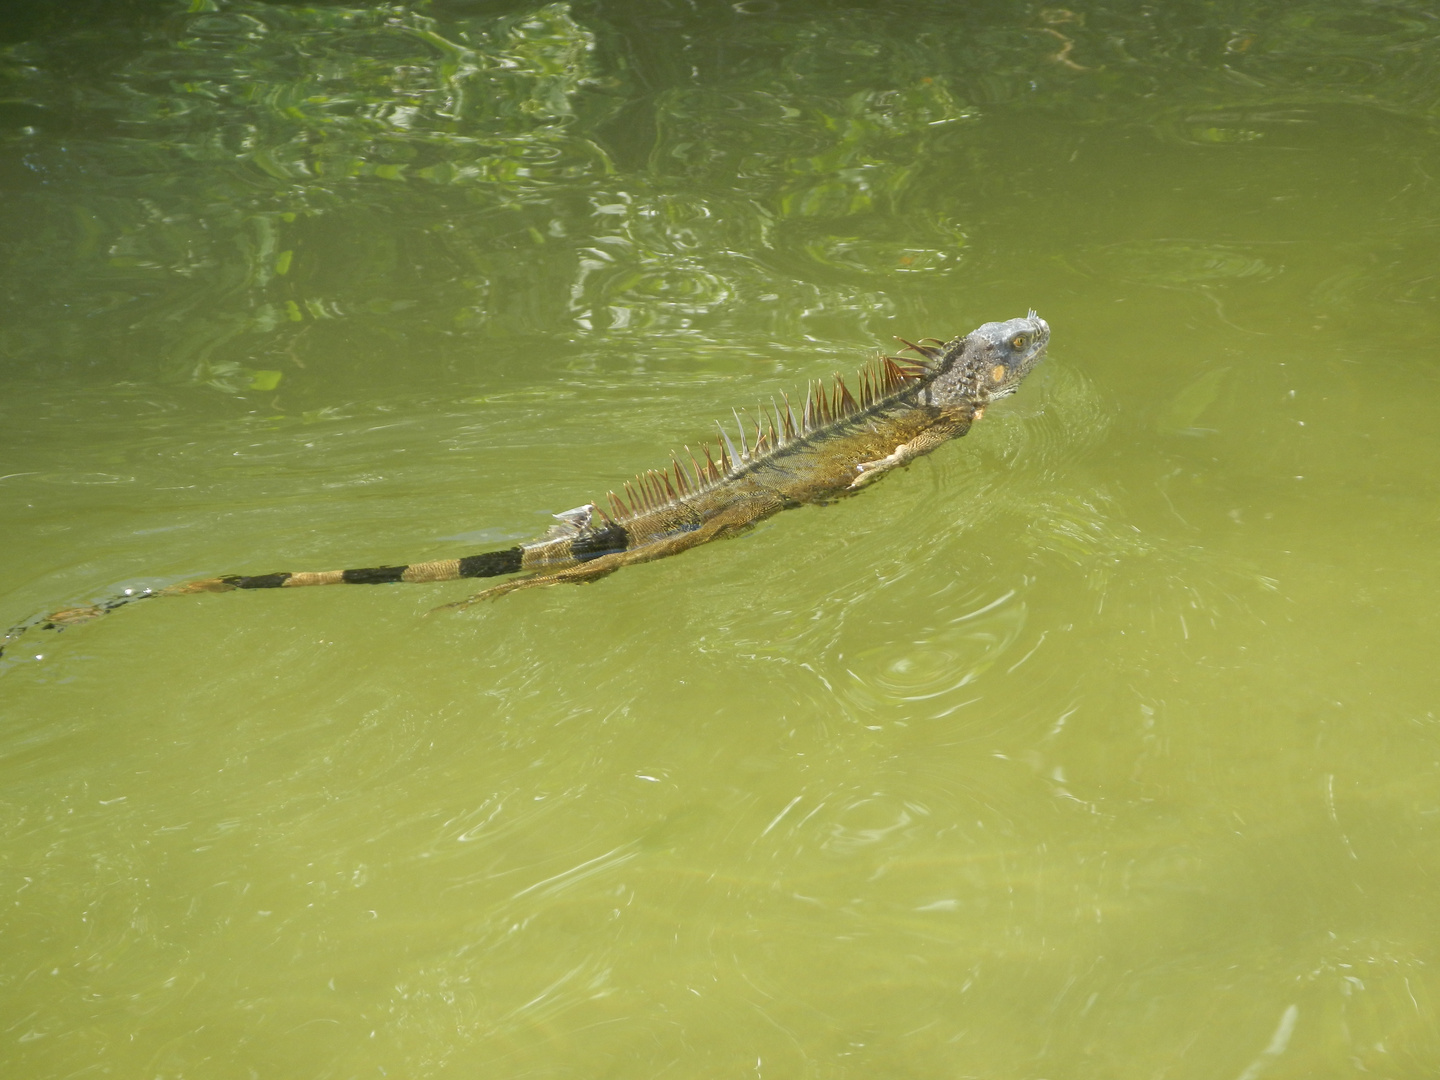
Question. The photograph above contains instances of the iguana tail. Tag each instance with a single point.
(486, 564)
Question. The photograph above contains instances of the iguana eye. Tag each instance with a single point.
(1018, 341)
(997, 373)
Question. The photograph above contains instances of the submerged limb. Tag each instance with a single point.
(575, 575)
(906, 452)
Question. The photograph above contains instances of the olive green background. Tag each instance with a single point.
(1101, 743)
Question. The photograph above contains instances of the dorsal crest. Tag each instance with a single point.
(768, 430)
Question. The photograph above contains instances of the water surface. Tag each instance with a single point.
(1100, 743)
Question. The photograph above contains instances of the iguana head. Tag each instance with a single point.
(989, 362)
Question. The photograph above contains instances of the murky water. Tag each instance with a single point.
(1101, 743)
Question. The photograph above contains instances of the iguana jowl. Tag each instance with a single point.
(839, 444)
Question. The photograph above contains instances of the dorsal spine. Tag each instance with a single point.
(825, 406)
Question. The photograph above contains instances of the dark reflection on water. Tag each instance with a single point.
(251, 193)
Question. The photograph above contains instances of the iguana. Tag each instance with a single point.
(838, 445)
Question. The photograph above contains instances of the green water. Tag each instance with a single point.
(1101, 743)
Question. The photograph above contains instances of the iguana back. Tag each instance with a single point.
(838, 444)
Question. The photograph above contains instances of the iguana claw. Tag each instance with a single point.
(870, 471)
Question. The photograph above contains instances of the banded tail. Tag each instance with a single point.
(486, 564)
(837, 444)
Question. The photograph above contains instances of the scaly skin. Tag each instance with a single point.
(838, 447)
(828, 462)
(836, 462)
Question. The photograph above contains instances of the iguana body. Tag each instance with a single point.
(838, 445)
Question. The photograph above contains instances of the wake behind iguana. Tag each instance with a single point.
(839, 444)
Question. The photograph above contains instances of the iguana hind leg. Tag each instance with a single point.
(575, 575)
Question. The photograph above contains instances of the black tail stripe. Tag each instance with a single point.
(374, 575)
(492, 563)
(260, 581)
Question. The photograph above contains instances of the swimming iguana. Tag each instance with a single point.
(839, 444)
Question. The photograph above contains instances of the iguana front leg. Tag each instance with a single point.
(948, 427)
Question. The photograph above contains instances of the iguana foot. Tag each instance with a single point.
(575, 575)
(906, 452)
(870, 471)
